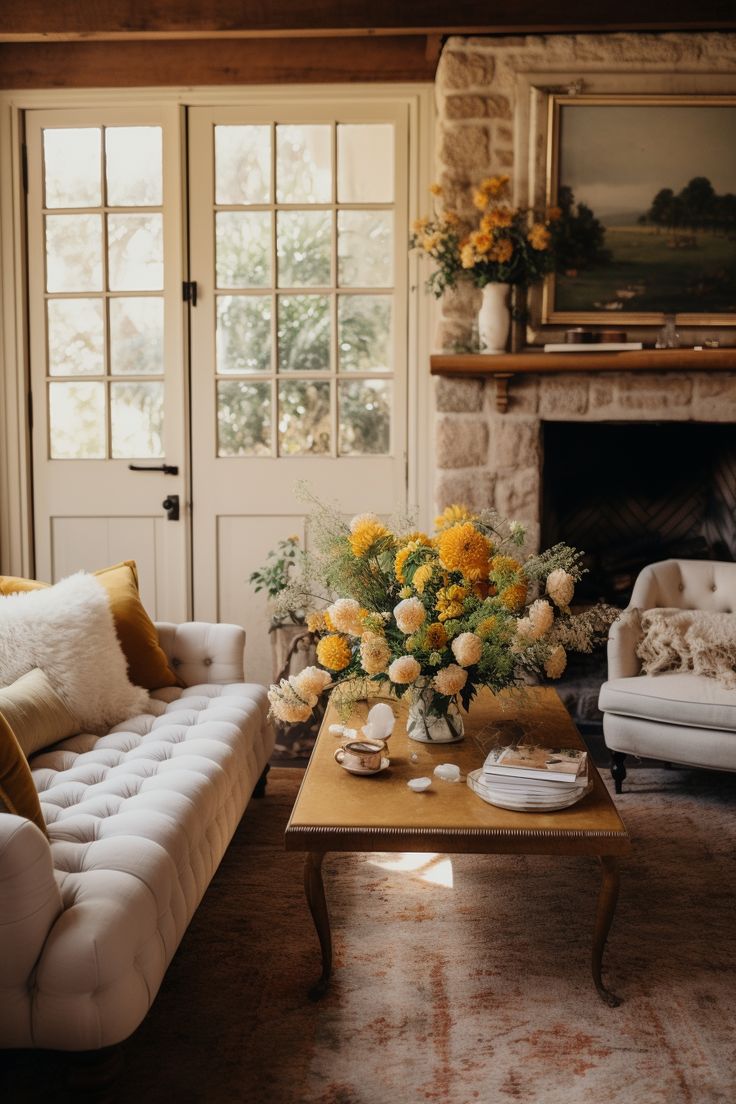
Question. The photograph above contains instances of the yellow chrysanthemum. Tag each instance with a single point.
(451, 515)
(539, 237)
(482, 242)
(431, 241)
(329, 625)
(333, 652)
(514, 596)
(419, 226)
(504, 565)
(502, 251)
(400, 562)
(436, 636)
(501, 216)
(316, 621)
(554, 214)
(485, 627)
(436, 189)
(422, 575)
(462, 548)
(467, 256)
(365, 535)
(495, 185)
(487, 225)
(480, 199)
(416, 537)
(449, 602)
(450, 219)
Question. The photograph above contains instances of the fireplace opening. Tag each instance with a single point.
(630, 494)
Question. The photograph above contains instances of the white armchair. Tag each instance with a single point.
(680, 717)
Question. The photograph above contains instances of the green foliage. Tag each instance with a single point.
(578, 236)
(273, 576)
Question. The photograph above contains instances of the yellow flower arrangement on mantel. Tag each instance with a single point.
(436, 616)
(509, 245)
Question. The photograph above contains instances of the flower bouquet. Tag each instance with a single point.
(436, 617)
(508, 245)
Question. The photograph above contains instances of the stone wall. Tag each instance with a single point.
(484, 457)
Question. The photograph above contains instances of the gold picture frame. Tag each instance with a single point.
(660, 242)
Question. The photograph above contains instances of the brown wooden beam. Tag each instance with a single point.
(43, 21)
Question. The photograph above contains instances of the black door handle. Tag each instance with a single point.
(171, 506)
(167, 469)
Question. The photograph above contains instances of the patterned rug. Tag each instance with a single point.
(456, 980)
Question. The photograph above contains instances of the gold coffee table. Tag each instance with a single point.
(336, 811)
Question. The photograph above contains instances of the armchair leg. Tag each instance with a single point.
(618, 770)
(260, 787)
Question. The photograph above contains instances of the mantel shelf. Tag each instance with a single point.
(505, 366)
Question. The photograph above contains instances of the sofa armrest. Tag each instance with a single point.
(201, 652)
(30, 903)
(623, 638)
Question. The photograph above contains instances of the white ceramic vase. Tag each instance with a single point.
(494, 319)
(429, 727)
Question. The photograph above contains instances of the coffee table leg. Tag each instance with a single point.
(315, 891)
(603, 918)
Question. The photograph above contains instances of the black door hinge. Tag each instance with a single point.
(189, 292)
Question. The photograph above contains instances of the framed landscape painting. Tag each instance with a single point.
(645, 188)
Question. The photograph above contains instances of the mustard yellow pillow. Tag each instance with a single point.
(37, 715)
(17, 792)
(147, 662)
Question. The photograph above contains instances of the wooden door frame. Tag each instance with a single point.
(16, 477)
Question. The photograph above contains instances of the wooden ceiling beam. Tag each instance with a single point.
(99, 20)
(207, 62)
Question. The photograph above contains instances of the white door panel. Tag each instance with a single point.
(299, 336)
(108, 366)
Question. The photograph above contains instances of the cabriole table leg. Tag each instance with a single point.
(603, 919)
(315, 891)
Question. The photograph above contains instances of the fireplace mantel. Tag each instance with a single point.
(502, 368)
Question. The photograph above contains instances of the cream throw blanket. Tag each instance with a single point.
(689, 640)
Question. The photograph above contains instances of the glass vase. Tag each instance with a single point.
(426, 724)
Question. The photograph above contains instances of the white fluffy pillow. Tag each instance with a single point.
(67, 630)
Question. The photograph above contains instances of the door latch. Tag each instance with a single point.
(171, 506)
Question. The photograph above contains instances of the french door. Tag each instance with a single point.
(108, 380)
(286, 364)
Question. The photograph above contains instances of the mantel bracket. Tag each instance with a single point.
(502, 390)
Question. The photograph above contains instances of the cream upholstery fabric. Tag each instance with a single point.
(684, 717)
(138, 821)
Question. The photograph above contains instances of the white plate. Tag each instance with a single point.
(362, 770)
(504, 800)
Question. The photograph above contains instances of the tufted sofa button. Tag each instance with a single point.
(208, 661)
(714, 587)
(681, 586)
(175, 662)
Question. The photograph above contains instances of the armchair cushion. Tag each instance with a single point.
(17, 791)
(675, 698)
(38, 716)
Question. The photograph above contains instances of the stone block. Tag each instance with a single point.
(455, 336)
(563, 397)
(473, 488)
(515, 442)
(463, 301)
(503, 159)
(461, 69)
(517, 495)
(465, 145)
(714, 398)
(499, 107)
(459, 396)
(461, 442)
(523, 395)
(466, 107)
(655, 393)
(602, 393)
(504, 134)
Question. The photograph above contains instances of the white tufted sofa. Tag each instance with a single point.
(138, 821)
(678, 717)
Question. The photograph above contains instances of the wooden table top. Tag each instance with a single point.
(338, 811)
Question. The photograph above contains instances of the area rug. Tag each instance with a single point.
(456, 979)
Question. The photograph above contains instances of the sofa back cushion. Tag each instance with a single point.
(17, 792)
(38, 716)
(67, 631)
(147, 662)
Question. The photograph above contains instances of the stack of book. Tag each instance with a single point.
(532, 778)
